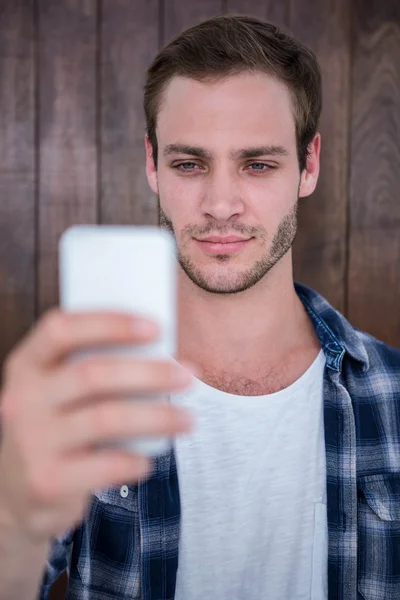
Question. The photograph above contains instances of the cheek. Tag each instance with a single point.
(275, 197)
(179, 197)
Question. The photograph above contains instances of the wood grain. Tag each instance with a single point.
(67, 129)
(321, 246)
(17, 171)
(179, 15)
(374, 267)
(129, 42)
(267, 10)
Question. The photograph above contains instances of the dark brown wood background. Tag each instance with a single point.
(71, 141)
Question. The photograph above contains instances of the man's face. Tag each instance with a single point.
(227, 166)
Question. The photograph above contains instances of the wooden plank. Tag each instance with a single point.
(180, 15)
(17, 171)
(320, 246)
(374, 268)
(266, 10)
(67, 129)
(129, 42)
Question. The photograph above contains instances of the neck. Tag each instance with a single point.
(262, 324)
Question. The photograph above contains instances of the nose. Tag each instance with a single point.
(222, 198)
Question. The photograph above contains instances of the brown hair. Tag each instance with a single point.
(227, 45)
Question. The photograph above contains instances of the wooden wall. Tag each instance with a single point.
(71, 141)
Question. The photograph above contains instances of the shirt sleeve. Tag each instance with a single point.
(57, 562)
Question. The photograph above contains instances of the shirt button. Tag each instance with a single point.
(124, 491)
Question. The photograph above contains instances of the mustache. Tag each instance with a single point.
(211, 228)
(215, 230)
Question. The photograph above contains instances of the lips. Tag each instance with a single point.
(210, 247)
(216, 239)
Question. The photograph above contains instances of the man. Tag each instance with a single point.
(287, 486)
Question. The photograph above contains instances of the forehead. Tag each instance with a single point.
(244, 109)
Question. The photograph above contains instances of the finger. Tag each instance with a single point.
(99, 377)
(59, 334)
(102, 468)
(117, 420)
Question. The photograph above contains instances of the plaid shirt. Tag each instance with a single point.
(127, 547)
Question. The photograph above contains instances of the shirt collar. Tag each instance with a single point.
(336, 335)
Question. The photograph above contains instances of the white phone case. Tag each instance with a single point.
(129, 269)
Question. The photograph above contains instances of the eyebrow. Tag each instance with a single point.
(253, 152)
(183, 149)
(260, 151)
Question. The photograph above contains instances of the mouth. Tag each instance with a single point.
(229, 247)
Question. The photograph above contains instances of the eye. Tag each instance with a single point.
(261, 167)
(186, 166)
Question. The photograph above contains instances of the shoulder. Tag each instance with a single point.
(374, 380)
(382, 358)
(365, 357)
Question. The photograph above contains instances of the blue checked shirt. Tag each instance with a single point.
(127, 547)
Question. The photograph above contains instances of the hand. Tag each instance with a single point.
(55, 412)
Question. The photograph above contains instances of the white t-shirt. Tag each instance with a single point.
(252, 480)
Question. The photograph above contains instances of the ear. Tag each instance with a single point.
(151, 169)
(309, 176)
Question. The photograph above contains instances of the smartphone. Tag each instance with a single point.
(129, 269)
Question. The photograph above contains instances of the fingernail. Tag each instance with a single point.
(186, 419)
(144, 327)
(182, 377)
(194, 369)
